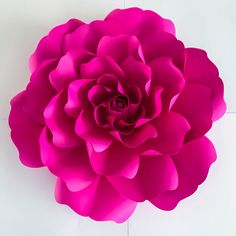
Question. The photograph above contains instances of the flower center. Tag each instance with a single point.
(119, 103)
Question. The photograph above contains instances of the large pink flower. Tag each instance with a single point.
(117, 110)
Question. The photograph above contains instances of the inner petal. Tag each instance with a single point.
(102, 117)
(119, 103)
(134, 94)
(98, 94)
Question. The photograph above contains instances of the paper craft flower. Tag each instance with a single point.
(117, 110)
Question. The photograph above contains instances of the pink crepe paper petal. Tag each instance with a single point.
(39, 84)
(134, 20)
(71, 165)
(77, 96)
(64, 73)
(171, 129)
(101, 116)
(154, 102)
(100, 66)
(168, 76)
(137, 73)
(99, 94)
(100, 201)
(87, 129)
(123, 127)
(194, 103)
(86, 37)
(115, 160)
(192, 163)
(109, 81)
(156, 174)
(110, 46)
(162, 44)
(60, 124)
(134, 94)
(199, 69)
(25, 133)
(47, 48)
(139, 135)
(67, 68)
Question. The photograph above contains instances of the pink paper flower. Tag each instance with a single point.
(117, 110)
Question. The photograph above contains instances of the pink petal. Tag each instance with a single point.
(39, 85)
(70, 164)
(109, 81)
(87, 129)
(50, 47)
(134, 20)
(168, 76)
(123, 127)
(100, 66)
(60, 124)
(192, 163)
(153, 106)
(67, 68)
(199, 69)
(115, 160)
(134, 94)
(194, 103)
(171, 129)
(100, 201)
(139, 135)
(99, 94)
(78, 96)
(25, 133)
(111, 46)
(126, 21)
(101, 115)
(86, 37)
(157, 44)
(64, 73)
(137, 73)
(156, 174)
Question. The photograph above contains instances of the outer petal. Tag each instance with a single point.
(70, 164)
(156, 174)
(115, 160)
(60, 124)
(135, 20)
(86, 37)
(100, 201)
(25, 133)
(162, 44)
(50, 47)
(199, 69)
(192, 163)
(194, 103)
(171, 129)
(39, 84)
